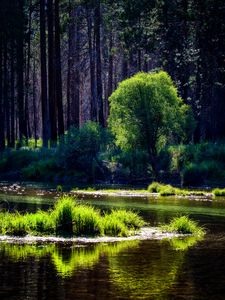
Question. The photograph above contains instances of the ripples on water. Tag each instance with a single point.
(168, 269)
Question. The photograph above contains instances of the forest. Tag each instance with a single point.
(60, 62)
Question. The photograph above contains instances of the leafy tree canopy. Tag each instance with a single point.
(146, 113)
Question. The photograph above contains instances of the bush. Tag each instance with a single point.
(41, 170)
(154, 187)
(183, 225)
(167, 190)
(198, 163)
(218, 192)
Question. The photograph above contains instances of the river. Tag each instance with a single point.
(154, 269)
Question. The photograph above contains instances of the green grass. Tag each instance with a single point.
(168, 190)
(183, 225)
(70, 219)
(218, 192)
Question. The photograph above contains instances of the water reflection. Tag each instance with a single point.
(66, 260)
(183, 244)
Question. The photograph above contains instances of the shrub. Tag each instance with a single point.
(183, 225)
(167, 190)
(218, 192)
(154, 187)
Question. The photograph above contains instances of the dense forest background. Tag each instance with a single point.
(61, 60)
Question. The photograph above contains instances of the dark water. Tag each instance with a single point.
(168, 269)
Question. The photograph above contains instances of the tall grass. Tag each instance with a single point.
(218, 192)
(183, 225)
(70, 219)
(169, 190)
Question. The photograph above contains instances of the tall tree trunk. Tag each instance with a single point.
(6, 93)
(51, 76)
(92, 67)
(27, 78)
(70, 65)
(58, 72)
(76, 73)
(12, 96)
(110, 74)
(2, 137)
(99, 62)
(20, 74)
(44, 98)
(34, 104)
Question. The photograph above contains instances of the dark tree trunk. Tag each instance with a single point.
(110, 75)
(51, 76)
(44, 99)
(92, 67)
(12, 95)
(20, 74)
(2, 137)
(27, 79)
(58, 75)
(34, 104)
(76, 74)
(6, 93)
(100, 116)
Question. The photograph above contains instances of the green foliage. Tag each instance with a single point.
(40, 222)
(146, 113)
(183, 225)
(114, 227)
(129, 218)
(198, 163)
(154, 187)
(218, 192)
(169, 190)
(41, 170)
(79, 148)
(87, 221)
(63, 216)
(70, 219)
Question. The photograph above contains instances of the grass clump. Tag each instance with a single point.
(70, 219)
(218, 192)
(183, 225)
(87, 221)
(154, 187)
(168, 190)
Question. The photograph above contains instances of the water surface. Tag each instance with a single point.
(167, 269)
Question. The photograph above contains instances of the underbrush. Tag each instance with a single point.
(183, 225)
(70, 219)
(198, 163)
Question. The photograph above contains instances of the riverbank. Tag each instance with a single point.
(146, 233)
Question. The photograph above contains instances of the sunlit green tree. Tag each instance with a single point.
(146, 113)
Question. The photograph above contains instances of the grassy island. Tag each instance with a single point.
(70, 219)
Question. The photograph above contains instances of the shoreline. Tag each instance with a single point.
(146, 233)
